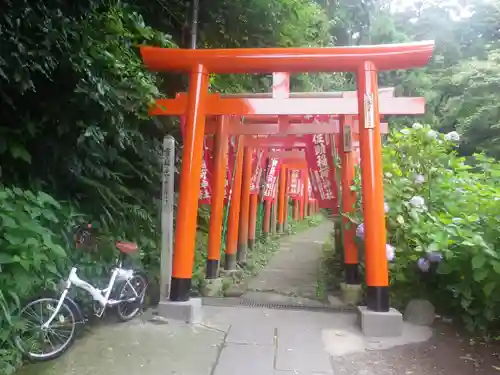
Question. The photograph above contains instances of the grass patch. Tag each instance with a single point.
(331, 272)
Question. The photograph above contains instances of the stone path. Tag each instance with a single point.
(249, 341)
(292, 274)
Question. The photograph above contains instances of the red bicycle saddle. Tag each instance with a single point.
(126, 247)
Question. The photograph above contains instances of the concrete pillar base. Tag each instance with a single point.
(280, 227)
(380, 324)
(351, 294)
(212, 288)
(190, 311)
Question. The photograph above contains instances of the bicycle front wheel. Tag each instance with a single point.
(43, 344)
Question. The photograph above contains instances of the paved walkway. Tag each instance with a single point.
(293, 271)
(241, 340)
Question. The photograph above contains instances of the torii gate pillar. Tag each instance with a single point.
(182, 267)
(372, 188)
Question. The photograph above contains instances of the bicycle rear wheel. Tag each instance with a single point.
(39, 344)
(135, 289)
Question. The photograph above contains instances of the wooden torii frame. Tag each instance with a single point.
(365, 61)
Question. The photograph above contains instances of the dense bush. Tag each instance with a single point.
(32, 257)
(442, 204)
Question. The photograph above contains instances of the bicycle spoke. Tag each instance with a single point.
(34, 315)
(62, 338)
(49, 340)
(41, 314)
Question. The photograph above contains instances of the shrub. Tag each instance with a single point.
(30, 258)
(439, 203)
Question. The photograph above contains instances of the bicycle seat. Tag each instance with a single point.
(126, 247)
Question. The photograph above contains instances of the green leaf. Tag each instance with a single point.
(480, 274)
(8, 222)
(478, 261)
(19, 152)
(45, 198)
(15, 297)
(496, 267)
(488, 288)
(13, 239)
(6, 259)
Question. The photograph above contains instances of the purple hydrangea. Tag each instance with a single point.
(360, 231)
(434, 257)
(424, 264)
(390, 252)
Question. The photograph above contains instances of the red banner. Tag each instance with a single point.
(232, 150)
(319, 155)
(206, 175)
(301, 185)
(273, 169)
(206, 168)
(294, 185)
(257, 167)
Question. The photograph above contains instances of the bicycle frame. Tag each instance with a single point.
(99, 295)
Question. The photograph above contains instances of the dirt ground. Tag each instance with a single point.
(447, 353)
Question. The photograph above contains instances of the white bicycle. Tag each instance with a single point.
(51, 324)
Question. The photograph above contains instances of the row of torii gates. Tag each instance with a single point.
(280, 120)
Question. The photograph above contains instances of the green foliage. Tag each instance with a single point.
(32, 257)
(74, 95)
(459, 218)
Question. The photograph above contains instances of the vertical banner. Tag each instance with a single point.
(294, 185)
(271, 182)
(232, 149)
(300, 184)
(205, 178)
(319, 151)
(257, 167)
(206, 167)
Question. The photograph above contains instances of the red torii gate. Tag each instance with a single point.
(366, 61)
(238, 230)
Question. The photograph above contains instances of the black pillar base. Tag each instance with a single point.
(230, 262)
(241, 254)
(180, 289)
(212, 268)
(377, 298)
(251, 244)
(352, 274)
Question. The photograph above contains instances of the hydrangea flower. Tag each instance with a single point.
(419, 179)
(417, 201)
(390, 252)
(434, 257)
(360, 231)
(386, 207)
(432, 134)
(452, 136)
(424, 264)
(417, 126)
